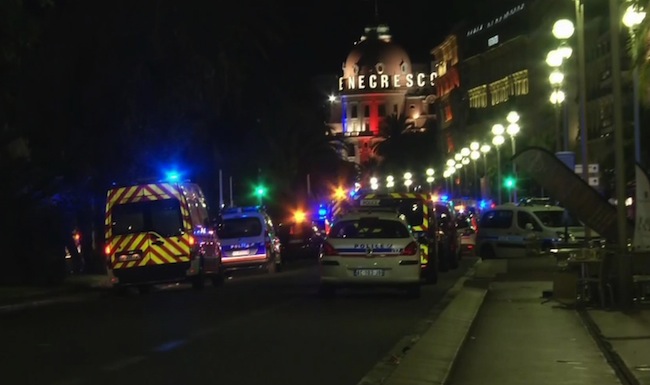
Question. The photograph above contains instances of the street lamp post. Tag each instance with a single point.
(408, 180)
(512, 130)
(474, 155)
(557, 98)
(390, 182)
(485, 148)
(430, 179)
(634, 15)
(624, 262)
(497, 140)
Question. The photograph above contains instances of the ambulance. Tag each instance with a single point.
(160, 233)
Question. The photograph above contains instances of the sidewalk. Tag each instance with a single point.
(501, 329)
(15, 297)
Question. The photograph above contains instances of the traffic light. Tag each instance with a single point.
(260, 192)
(509, 182)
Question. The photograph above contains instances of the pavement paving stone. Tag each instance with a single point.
(521, 338)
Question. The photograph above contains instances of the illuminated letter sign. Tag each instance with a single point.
(385, 81)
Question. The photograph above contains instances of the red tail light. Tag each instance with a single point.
(107, 250)
(328, 250)
(411, 249)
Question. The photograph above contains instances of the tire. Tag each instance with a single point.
(271, 267)
(218, 279)
(487, 252)
(414, 291)
(326, 291)
(431, 276)
(144, 289)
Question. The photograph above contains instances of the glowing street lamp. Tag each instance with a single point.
(408, 181)
(430, 178)
(390, 181)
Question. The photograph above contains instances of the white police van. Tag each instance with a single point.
(249, 240)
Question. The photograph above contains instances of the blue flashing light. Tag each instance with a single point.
(444, 198)
(483, 204)
(322, 212)
(172, 176)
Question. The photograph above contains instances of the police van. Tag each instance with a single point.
(160, 233)
(249, 240)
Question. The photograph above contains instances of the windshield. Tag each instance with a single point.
(369, 228)
(160, 216)
(557, 218)
(240, 228)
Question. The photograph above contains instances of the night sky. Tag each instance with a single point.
(324, 32)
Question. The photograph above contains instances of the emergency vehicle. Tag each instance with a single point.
(419, 212)
(160, 233)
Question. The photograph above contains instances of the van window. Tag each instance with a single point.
(557, 218)
(523, 218)
(160, 216)
(240, 227)
(497, 219)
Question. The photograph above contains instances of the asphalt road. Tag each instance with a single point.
(256, 329)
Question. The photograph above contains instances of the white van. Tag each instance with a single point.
(511, 231)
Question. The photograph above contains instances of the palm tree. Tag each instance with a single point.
(392, 131)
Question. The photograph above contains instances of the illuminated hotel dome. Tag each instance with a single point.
(376, 54)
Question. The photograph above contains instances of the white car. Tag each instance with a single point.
(370, 249)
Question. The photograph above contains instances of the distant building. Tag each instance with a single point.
(496, 64)
(377, 80)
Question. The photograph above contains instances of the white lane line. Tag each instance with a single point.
(123, 363)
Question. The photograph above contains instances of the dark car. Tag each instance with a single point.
(300, 239)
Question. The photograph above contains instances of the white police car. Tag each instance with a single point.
(249, 240)
(368, 248)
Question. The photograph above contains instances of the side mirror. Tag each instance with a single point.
(529, 226)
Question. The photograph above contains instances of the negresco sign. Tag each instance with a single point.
(384, 81)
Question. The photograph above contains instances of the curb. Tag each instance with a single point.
(432, 359)
(429, 355)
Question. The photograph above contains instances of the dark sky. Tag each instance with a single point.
(326, 30)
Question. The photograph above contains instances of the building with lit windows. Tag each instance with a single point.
(378, 80)
(496, 64)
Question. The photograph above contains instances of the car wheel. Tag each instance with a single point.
(270, 265)
(326, 291)
(487, 252)
(414, 291)
(218, 279)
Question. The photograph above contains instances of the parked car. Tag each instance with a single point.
(466, 226)
(511, 231)
(299, 240)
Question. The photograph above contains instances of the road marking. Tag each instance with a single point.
(121, 364)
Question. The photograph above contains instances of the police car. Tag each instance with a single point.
(366, 248)
(248, 240)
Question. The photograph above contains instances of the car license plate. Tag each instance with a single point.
(369, 272)
(238, 253)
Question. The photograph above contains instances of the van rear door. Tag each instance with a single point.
(147, 227)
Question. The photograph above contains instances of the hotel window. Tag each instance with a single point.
(520, 83)
(478, 97)
(353, 112)
(366, 111)
(382, 110)
(366, 126)
(499, 91)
